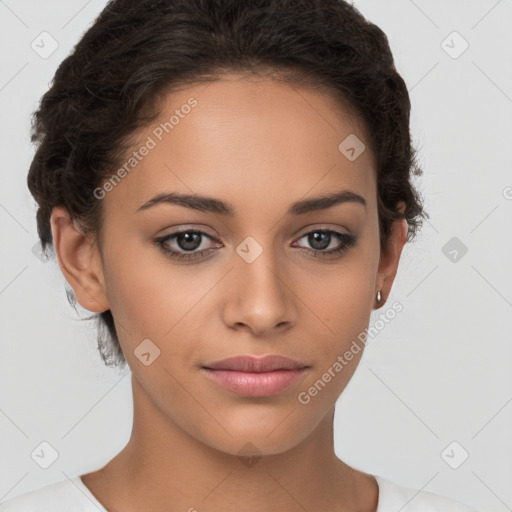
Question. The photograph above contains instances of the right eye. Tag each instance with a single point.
(186, 243)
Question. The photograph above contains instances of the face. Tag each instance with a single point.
(257, 269)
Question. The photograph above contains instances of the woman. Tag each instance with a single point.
(227, 185)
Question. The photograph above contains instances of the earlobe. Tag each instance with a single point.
(79, 261)
(390, 257)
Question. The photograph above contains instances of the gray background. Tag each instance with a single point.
(439, 372)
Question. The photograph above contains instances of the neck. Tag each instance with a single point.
(166, 468)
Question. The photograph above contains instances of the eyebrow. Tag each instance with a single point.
(212, 205)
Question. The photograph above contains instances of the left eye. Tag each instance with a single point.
(190, 240)
(320, 239)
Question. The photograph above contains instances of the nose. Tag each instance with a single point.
(259, 296)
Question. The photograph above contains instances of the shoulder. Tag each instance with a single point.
(394, 497)
(61, 496)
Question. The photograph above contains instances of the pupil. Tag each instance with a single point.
(186, 241)
(315, 237)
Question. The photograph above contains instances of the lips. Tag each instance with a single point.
(255, 377)
(256, 365)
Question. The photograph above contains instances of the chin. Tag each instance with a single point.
(248, 441)
(250, 448)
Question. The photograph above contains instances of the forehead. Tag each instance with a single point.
(248, 141)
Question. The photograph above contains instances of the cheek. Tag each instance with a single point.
(341, 297)
(342, 300)
(141, 294)
(153, 298)
(343, 314)
(133, 298)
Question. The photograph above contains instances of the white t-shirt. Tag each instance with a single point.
(73, 496)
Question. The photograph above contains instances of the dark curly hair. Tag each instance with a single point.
(138, 50)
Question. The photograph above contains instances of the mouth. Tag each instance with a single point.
(255, 377)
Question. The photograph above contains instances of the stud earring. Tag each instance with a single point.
(379, 296)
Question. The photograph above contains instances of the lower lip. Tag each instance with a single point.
(255, 384)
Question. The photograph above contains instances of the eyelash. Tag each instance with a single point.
(348, 242)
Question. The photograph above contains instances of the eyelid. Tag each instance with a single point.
(305, 230)
(347, 240)
(184, 227)
(322, 227)
(204, 234)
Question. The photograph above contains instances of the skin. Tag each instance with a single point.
(259, 144)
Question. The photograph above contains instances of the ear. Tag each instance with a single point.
(80, 261)
(390, 256)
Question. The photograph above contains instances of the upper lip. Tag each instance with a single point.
(256, 364)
